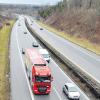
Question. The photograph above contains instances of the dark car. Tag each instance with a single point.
(41, 28)
(25, 32)
(35, 44)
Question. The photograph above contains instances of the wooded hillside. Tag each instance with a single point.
(79, 18)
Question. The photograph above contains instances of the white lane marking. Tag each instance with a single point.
(57, 93)
(74, 44)
(70, 80)
(32, 97)
(83, 69)
(84, 52)
(53, 87)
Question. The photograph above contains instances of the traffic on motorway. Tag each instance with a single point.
(43, 74)
(86, 66)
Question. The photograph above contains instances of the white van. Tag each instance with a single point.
(45, 54)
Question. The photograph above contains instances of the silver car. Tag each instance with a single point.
(35, 44)
(71, 91)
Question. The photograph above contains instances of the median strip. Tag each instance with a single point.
(84, 76)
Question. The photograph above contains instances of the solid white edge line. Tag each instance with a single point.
(30, 90)
(53, 87)
(69, 78)
(71, 81)
(74, 46)
(57, 93)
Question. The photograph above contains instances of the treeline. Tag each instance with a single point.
(69, 5)
(48, 10)
(82, 3)
(19, 9)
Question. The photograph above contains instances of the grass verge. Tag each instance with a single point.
(79, 41)
(4, 61)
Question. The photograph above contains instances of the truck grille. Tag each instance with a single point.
(42, 89)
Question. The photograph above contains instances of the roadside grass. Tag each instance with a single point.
(4, 61)
(74, 39)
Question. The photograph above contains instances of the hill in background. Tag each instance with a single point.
(80, 18)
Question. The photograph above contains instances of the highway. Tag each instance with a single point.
(84, 59)
(20, 87)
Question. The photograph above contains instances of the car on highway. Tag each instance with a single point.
(45, 54)
(71, 91)
(25, 32)
(35, 44)
(41, 28)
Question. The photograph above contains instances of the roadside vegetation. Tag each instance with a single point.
(4, 60)
(79, 41)
(75, 20)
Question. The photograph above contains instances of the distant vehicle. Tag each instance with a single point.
(45, 54)
(35, 44)
(23, 51)
(71, 91)
(41, 28)
(25, 32)
(38, 72)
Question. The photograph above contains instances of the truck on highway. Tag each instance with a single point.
(38, 72)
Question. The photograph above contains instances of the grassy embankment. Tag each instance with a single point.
(4, 61)
(79, 41)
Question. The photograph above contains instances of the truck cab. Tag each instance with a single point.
(41, 80)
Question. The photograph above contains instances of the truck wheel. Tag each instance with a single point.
(25, 67)
(48, 61)
(29, 78)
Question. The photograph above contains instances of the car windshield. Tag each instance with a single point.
(72, 89)
(42, 78)
(45, 55)
(35, 43)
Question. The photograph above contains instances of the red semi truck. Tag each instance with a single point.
(38, 72)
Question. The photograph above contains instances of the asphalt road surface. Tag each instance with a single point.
(20, 89)
(86, 60)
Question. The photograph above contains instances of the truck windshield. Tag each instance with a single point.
(39, 64)
(42, 78)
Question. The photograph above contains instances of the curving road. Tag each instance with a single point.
(86, 60)
(20, 88)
